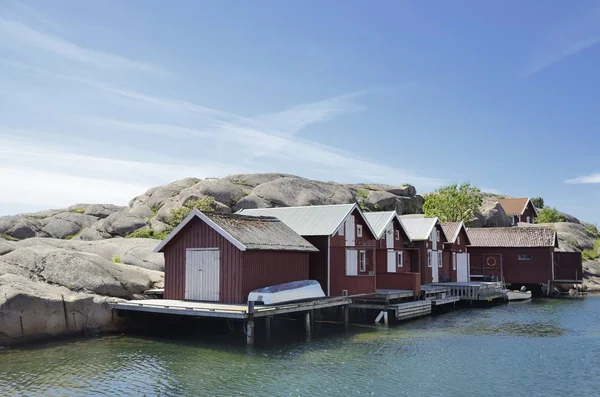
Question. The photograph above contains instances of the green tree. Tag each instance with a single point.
(205, 204)
(361, 198)
(454, 203)
(549, 215)
(538, 202)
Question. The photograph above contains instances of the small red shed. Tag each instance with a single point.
(222, 257)
(456, 258)
(346, 259)
(517, 255)
(396, 267)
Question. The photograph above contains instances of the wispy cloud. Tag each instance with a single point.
(587, 179)
(22, 38)
(576, 36)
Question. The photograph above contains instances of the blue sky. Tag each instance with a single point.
(101, 100)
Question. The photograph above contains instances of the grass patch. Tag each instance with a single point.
(148, 233)
(593, 230)
(78, 210)
(592, 255)
(116, 259)
(7, 237)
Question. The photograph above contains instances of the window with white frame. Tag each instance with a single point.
(454, 261)
(458, 240)
(429, 259)
(439, 256)
(358, 230)
(399, 259)
(397, 234)
(437, 234)
(362, 261)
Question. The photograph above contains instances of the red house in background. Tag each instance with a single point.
(396, 266)
(427, 238)
(346, 259)
(222, 257)
(519, 209)
(456, 259)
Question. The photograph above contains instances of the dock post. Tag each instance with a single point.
(268, 326)
(385, 318)
(250, 324)
(307, 322)
(548, 291)
(346, 313)
(312, 321)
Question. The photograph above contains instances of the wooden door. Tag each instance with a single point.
(202, 274)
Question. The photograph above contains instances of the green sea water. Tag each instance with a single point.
(540, 348)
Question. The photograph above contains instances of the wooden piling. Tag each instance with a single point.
(268, 326)
(346, 311)
(250, 324)
(307, 322)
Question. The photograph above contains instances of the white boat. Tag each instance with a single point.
(516, 296)
(287, 292)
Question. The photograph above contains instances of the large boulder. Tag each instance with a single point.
(102, 210)
(156, 196)
(67, 224)
(6, 246)
(131, 251)
(491, 215)
(34, 310)
(223, 191)
(409, 205)
(253, 180)
(25, 227)
(251, 201)
(381, 200)
(7, 223)
(89, 234)
(123, 222)
(293, 191)
(82, 271)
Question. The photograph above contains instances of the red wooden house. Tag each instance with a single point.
(222, 257)
(426, 239)
(396, 269)
(455, 264)
(346, 259)
(519, 210)
(519, 255)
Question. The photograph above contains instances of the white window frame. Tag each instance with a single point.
(525, 257)
(454, 261)
(437, 235)
(397, 234)
(440, 259)
(429, 258)
(359, 231)
(458, 240)
(362, 261)
(399, 259)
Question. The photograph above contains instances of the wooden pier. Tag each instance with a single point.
(234, 312)
(475, 290)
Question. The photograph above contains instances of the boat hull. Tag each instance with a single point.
(288, 292)
(517, 296)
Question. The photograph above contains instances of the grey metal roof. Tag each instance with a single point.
(248, 232)
(379, 221)
(418, 228)
(315, 220)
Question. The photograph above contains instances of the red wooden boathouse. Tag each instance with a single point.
(222, 257)
(455, 263)
(346, 259)
(519, 255)
(397, 268)
(426, 239)
(520, 210)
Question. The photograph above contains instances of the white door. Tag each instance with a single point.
(462, 267)
(202, 275)
(434, 267)
(391, 261)
(351, 262)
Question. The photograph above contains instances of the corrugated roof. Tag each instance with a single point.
(316, 220)
(512, 237)
(513, 206)
(452, 229)
(417, 228)
(379, 221)
(248, 232)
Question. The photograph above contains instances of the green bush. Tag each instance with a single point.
(537, 202)
(454, 203)
(204, 204)
(78, 210)
(148, 233)
(116, 259)
(549, 215)
(361, 198)
(593, 230)
(592, 255)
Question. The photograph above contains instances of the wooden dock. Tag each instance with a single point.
(474, 290)
(408, 310)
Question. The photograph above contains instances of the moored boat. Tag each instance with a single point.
(517, 296)
(287, 292)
